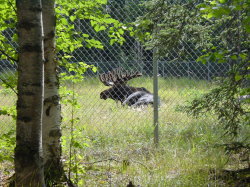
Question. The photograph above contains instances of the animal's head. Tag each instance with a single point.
(117, 79)
(105, 94)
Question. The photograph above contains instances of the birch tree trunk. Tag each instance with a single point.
(53, 168)
(28, 151)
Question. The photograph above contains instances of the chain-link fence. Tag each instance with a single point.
(179, 80)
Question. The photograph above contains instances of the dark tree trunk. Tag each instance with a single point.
(28, 151)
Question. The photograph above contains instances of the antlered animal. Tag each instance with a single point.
(120, 91)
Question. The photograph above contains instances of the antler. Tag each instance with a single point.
(108, 79)
(118, 76)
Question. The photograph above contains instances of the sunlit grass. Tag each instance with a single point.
(120, 139)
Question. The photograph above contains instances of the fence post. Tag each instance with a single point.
(156, 100)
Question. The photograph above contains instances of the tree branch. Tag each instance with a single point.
(12, 6)
(105, 160)
(9, 57)
(5, 82)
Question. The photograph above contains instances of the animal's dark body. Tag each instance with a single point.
(119, 91)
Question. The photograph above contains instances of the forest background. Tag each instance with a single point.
(98, 36)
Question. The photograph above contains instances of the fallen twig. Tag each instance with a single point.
(105, 160)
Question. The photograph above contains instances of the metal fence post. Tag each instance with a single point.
(156, 100)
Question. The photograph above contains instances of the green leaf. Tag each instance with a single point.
(234, 57)
(238, 77)
(222, 1)
(72, 18)
(64, 21)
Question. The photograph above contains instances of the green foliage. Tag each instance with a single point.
(7, 139)
(75, 71)
(122, 150)
(68, 38)
(75, 141)
(232, 113)
(121, 145)
(186, 147)
(172, 27)
(8, 111)
(234, 40)
(222, 8)
(8, 81)
(232, 44)
(224, 102)
(67, 15)
(7, 145)
(219, 31)
(7, 22)
(232, 47)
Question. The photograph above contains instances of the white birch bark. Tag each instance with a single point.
(52, 109)
(28, 151)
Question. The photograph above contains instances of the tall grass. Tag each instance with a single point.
(120, 138)
(121, 145)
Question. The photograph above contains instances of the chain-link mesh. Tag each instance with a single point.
(181, 75)
(178, 82)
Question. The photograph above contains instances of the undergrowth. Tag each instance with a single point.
(113, 144)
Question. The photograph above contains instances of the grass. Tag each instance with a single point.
(120, 139)
(121, 145)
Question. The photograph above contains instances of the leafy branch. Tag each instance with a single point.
(9, 85)
(9, 57)
(12, 6)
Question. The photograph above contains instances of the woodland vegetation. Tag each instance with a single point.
(53, 132)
